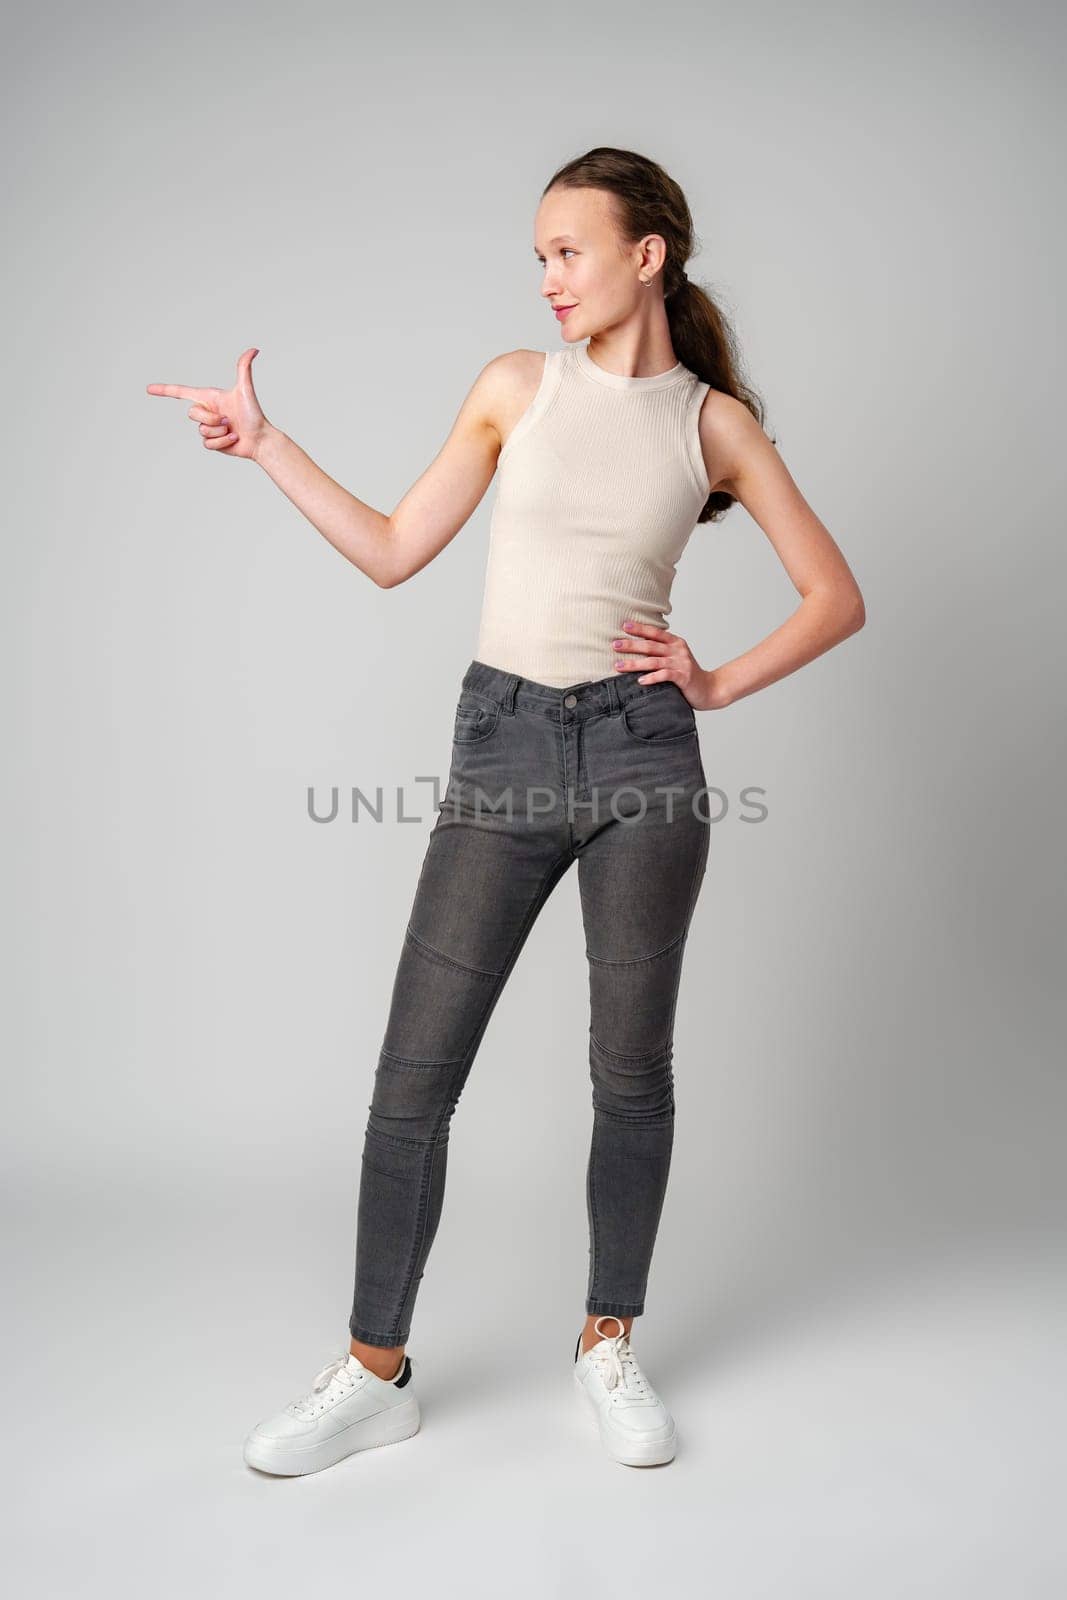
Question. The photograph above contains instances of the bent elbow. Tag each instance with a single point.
(389, 559)
(391, 577)
(386, 572)
(851, 613)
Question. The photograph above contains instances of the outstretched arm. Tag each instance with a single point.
(388, 548)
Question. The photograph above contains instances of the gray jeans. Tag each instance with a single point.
(607, 773)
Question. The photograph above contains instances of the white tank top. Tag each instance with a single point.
(600, 484)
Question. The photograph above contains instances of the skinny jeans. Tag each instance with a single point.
(607, 774)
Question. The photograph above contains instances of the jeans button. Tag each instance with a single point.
(571, 700)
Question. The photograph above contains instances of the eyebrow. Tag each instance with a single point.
(559, 239)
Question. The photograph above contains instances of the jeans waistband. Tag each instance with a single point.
(595, 697)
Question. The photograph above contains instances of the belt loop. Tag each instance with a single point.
(612, 686)
(507, 699)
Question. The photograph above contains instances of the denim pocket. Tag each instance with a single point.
(662, 715)
(475, 718)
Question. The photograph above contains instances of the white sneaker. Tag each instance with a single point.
(348, 1408)
(635, 1426)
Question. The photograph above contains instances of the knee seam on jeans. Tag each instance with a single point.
(642, 1055)
(398, 1142)
(637, 961)
(419, 1064)
(433, 954)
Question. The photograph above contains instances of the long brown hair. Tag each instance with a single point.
(647, 200)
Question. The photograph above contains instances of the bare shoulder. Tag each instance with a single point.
(730, 436)
(505, 387)
(514, 368)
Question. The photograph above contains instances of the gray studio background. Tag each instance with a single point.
(858, 1286)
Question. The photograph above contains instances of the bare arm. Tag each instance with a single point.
(741, 460)
(388, 548)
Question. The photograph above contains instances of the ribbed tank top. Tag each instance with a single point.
(600, 483)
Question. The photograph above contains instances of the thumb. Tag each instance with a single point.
(244, 365)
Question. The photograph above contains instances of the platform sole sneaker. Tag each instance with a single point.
(635, 1427)
(348, 1409)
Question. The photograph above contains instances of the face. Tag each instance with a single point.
(586, 266)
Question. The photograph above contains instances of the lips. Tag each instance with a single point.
(561, 311)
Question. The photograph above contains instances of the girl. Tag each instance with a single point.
(574, 740)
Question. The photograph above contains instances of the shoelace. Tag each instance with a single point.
(619, 1370)
(337, 1371)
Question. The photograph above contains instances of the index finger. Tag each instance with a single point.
(178, 391)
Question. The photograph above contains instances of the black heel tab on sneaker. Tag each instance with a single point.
(405, 1376)
(577, 1347)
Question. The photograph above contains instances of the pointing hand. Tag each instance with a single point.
(231, 420)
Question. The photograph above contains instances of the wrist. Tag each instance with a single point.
(717, 695)
(267, 445)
